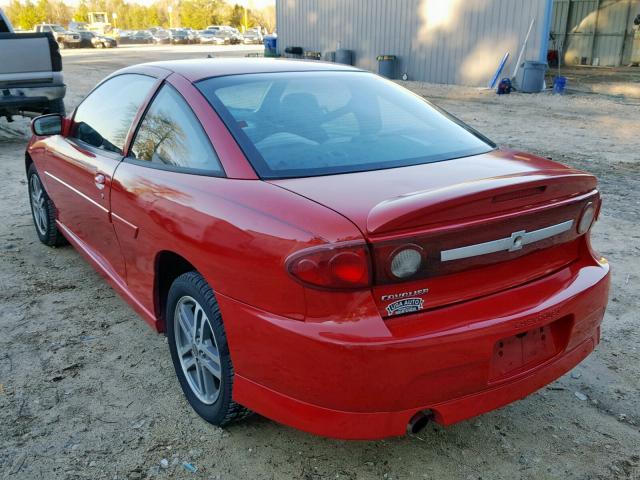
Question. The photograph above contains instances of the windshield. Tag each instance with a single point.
(57, 28)
(303, 124)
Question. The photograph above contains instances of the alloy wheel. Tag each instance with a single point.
(197, 350)
(40, 216)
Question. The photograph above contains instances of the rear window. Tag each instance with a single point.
(304, 124)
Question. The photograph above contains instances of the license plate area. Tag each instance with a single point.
(521, 352)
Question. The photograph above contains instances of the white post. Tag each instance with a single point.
(524, 46)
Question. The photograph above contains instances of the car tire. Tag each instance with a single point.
(194, 327)
(43, 211)
(56, 106)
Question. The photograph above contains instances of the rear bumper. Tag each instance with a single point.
(366, 379)
(23, 97)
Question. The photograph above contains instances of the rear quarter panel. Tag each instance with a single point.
(237, 233)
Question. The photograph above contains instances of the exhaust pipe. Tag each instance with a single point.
(419, 421)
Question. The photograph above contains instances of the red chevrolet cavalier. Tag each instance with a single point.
(322, 246)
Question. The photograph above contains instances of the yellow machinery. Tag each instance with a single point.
(99, 23)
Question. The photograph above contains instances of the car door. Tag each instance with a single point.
(160, 187)
(80, 165)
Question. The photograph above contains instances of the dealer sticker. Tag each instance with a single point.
(406, 305)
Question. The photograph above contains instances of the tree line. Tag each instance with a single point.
(25, 14)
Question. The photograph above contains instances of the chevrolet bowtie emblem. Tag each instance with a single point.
(512, 243)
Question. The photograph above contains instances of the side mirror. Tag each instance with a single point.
(46, 125)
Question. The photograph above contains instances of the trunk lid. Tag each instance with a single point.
(446, 207)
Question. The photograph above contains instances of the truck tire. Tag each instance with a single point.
(56, 106)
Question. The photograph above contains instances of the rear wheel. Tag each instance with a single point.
(43, 211)
(199, 350)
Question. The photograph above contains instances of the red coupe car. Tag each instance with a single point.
(322, 246)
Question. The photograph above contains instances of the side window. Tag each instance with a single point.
(103, 119)
(171, 135)
(4, 26)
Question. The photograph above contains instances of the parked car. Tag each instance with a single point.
(78, 26)
(179, 36)
(322, 246)
(31, 80)
(210, 37)
(161, 37)
(65, 38)
(141, 36)
(230, 34)
(124, 36)
(252, 37)
(218, 27)
(192, 35)
(228, 37)
(92, 40)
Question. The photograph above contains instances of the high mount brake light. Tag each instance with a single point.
(344, 266)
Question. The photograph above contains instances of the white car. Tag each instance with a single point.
(211, 37)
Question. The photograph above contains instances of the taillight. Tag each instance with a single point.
(336, 266)
(405, 261)
(587, 217)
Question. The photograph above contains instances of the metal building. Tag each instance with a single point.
(442, 41)
(594, 32)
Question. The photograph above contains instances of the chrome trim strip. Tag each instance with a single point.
(75, 190)
(514, 242)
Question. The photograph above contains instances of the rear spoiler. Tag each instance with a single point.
(56, 59)
(469, 200)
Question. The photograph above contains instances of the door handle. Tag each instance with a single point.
(99, 179)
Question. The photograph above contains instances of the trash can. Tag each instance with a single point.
(344, 56)
(270, 46)
(531, 76)
(387, 66)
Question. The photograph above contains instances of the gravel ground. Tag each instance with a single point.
(87, 390)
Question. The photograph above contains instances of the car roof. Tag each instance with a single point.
(201, 68)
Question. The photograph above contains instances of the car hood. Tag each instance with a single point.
(400, 199)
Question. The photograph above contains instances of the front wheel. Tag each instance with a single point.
(199, 350)
(43, 211)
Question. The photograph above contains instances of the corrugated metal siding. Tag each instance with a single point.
(594, 31)
(464, 48)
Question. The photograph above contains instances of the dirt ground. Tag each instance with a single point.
(87, 390)
(616, 81)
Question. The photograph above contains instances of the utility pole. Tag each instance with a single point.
(245, 20)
